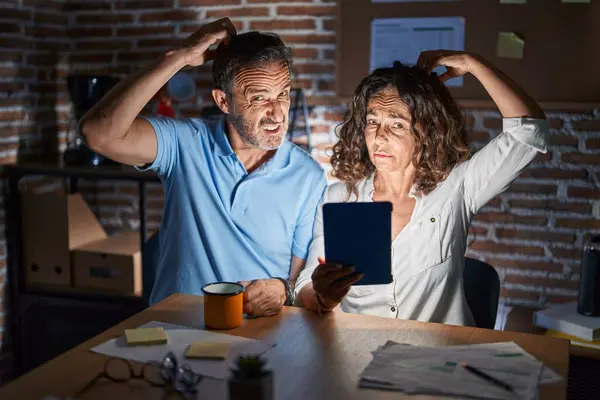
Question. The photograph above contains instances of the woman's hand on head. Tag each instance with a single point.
(331, 282)
(457, 63)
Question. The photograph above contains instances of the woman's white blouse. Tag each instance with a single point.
(428, 254)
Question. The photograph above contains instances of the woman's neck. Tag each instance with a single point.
(396, 183)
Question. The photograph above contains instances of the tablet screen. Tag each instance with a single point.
(360, 234)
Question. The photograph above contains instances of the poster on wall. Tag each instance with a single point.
(403, 39)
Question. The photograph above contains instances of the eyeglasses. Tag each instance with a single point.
(160, 374)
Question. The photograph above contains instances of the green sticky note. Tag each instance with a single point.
(215, 350)
(576, 1)
(513, 1)
(145, 336)
(510, 45)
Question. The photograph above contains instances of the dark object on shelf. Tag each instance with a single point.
(86, 91)
(588, 301)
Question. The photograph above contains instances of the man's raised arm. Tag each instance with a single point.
(112, 127)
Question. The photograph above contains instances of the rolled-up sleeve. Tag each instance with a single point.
(492, 169)
(171, 136)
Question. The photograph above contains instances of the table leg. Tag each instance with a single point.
(143, 215)
(73, 184)
(143, 234)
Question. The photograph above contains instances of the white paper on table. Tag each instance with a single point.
(423, 370)
(403, 39)
(547, 376)
(179, 338)
(424, 376)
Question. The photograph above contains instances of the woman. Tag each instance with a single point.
(404, 141)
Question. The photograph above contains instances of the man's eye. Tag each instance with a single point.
(284, 93)
(258, 98)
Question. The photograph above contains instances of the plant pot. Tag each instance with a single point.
(252, 389)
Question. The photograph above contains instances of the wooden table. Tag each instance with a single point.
(314, 357)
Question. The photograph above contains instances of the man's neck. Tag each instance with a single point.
(250, 157)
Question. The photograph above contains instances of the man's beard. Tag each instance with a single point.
(260, 139)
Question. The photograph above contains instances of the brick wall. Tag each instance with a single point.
(533, 233)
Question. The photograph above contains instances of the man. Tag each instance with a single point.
(240, 200)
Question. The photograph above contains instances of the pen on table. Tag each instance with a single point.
(485, 376)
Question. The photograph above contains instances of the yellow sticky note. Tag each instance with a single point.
(145, 336)
(218, 350)
(513, 1)
(510, 45)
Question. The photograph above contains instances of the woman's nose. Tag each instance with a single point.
(382, 133)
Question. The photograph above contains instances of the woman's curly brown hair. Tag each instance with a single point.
(436, 122)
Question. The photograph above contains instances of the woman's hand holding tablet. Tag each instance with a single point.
(331, 282)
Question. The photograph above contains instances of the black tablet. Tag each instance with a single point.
(360, 234)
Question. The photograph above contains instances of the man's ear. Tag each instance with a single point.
(221, 99)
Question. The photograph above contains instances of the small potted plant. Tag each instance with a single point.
(250, 380)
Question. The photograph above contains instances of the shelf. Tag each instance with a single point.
(117, 172)
(66, 292)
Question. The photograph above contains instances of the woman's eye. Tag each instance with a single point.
(397, 125)
(371, 122)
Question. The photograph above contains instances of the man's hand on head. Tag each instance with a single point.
(196, 47)
(263, 297)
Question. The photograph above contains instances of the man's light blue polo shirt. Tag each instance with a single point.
(221, 223)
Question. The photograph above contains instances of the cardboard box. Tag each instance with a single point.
(112, 265)
(53, 225)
